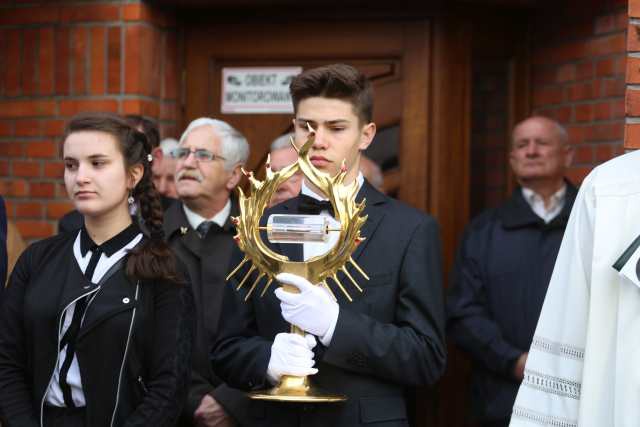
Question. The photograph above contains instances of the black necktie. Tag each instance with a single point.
(70, 336)
(310, 206)
(203, 228)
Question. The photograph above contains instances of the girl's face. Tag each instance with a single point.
(94, 173)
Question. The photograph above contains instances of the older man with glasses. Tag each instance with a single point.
(199, 230)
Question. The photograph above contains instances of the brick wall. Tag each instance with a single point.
(58, 59)
(632, 105)
(578, 76)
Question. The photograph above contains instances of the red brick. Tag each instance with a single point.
(53, 127)
(541, 75)
(62, 61)
(30, 59)
(56, 210)
(25, 168)
(15, 109)
(141, 106)
(577, 174)
(611, 87)
(6, 128)
(566, 73)
(632, 101)
(602, 110)
(72, 107)
(584, 70)
(547, 95)
(618, 109)
(17, 188)
(90, 12)
(11, 149)
(634, 8)
(42, 189)
(98, 56)
(54, 169)
(34, 229)
(114, 53)
(605, 131)
(633, 38)
(133, 60)
(583, 154)
(4, 168)
(27, 127)
(79, 38)
(583, 112)
(606, 45)
(46, 62)
(14, 63)
(605, 152)
(632, 136)
(28, 210)
(42, 149)
(580, 91)
(39, 14)
(605, 67)
(61, 191)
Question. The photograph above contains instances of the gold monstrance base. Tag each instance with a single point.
(296, 389)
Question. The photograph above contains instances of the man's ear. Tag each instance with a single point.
(234, 178)
(157, 154)
(568, 155)
(135, 175)
(366, 136)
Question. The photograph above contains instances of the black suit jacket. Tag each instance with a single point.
(207, 261)
(3, 245)
(391, 336)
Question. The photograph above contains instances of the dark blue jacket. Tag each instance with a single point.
(499, 282)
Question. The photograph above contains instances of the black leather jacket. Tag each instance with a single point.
(133, 348)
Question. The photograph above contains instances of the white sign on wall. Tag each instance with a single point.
(251, 90)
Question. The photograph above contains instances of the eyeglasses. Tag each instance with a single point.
(200, 154)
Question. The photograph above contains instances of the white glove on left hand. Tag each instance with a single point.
(313, 309)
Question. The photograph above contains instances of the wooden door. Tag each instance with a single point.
(420, 71)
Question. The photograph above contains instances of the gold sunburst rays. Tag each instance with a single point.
(268, 263)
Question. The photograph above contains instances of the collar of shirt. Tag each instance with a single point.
(536, 202)
(309, 192)
(112, 245)
(219, 218)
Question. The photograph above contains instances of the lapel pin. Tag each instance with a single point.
(183, 230)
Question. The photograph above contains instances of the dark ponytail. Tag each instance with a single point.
(152, 259)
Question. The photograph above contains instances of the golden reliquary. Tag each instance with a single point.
(322, 270)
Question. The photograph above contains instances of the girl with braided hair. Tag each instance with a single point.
(97, 325)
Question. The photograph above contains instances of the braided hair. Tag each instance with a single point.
(152, 259)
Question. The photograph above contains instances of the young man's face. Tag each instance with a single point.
(339, 134)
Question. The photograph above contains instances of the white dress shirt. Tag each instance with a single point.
(219, 218)
(312, 249)
(547, 213)
(54, 395)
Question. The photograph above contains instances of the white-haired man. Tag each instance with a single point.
(163, 168)
(283, 154)
(208, 159)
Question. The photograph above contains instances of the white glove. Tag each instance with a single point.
(291, 354)
(312, 310)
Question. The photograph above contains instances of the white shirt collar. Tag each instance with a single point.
(219, 218)
(309, 192)
(556, 203)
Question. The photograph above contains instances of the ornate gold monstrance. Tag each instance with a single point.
(319, 269)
